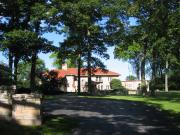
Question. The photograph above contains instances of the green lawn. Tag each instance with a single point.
(52, 126)
(166, 101)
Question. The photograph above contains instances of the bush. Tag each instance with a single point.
(121, 91)
(117, 87)
(159, 83)
(116, 84)
(174, 82)
(5, 75)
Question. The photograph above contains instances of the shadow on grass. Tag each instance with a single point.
(58, 125)
(172, 96)
(52, 125)
(12, 128)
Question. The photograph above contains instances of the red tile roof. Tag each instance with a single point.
(73, 71)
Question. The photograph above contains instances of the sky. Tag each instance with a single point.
(115, 65)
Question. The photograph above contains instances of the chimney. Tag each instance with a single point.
(64, 66)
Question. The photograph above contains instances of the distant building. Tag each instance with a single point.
(101, 78)
(133, 86)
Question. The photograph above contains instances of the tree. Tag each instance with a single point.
(24, 71)
(71, 61)
(84, 22)
(5, 75)
(115, 84)
(21, 45)
(131, 78)
(153, 33)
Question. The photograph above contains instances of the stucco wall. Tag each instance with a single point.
(71, 84)
(104, 83)
(132, 86)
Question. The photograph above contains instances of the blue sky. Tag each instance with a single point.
(123, 68)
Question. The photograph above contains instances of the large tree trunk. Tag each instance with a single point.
(11, 64)
(153, 72)
(16, 60)
(138, 71)
(33, 70)
(79, 74)
(143, 70)
(143, 79)
(33, 60)
(89, 72)
(166, 76)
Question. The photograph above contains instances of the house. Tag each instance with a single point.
(133, 86)
(101, 78)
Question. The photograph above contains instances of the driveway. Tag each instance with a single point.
(112, 117)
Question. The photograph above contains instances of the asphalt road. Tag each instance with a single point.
(112, 117)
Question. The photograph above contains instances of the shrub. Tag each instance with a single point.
(174, 82)
(121, 91)
(159, 83)
(5, 75)
(116, 84)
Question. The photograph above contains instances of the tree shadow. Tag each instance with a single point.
(105, 117)
(52, 125)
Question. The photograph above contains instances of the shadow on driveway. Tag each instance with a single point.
(112, 117)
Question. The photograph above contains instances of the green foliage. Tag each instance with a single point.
(173, 82)
(153, 40)
(21, 43)
(24, 70)
(131, 77)
(70, 60)
(5, 75)
(115, 84)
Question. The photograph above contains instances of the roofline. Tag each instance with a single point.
(92, 75)
(133, 80)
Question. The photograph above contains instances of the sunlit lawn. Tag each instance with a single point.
(55, 125)
(166, 101)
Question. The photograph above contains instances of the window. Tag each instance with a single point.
(109, 79)
(108, 87)
(101, 87)
(75, 78)
(98, 79)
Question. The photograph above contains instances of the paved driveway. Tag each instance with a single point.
(112, 117)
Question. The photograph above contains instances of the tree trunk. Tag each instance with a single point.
(153, 72)
(79, 74)
(143, 72)
(33, 60)
(166, 76)
(33, 70)
(15, 70)
(89, 72)
(138, 71)
(11, 64)
(143, 79)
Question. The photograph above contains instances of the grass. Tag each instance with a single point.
(169, 101)
(50, 97)
(58, 125)
(53, 125)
